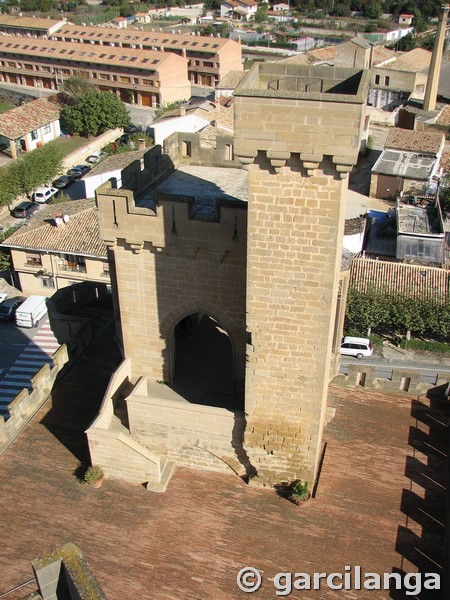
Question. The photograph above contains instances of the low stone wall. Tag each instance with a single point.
(27, 403)
(77, 332)
(79, 156)
(402, 379)
(189, 434)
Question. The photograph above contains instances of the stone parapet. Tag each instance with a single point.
(290, 109)
(26, 404)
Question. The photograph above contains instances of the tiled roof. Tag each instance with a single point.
(116, 161)
(401, 278)
(444, 117)
(27, 22)
(413, 141)
(30, 116)
(231, 80)
(146, 38)
(413, 61)
(445, 161)
(80, 235)
(328, 54)
(75, 52)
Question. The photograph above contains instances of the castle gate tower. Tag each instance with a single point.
(298, 129)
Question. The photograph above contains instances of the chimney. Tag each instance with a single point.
(141, 144)
(182, 111)
(429, 102)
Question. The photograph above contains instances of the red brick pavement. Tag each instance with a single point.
(379, 504)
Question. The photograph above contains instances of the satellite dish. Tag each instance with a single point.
(65, 218)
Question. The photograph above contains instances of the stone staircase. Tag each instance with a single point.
(112, 446)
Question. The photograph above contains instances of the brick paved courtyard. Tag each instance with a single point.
(380, 504)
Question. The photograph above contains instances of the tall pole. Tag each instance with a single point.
(431, 90)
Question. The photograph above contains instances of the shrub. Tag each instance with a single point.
(93, 474)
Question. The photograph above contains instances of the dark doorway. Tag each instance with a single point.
(203, 357)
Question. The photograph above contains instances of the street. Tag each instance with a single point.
(22, 353)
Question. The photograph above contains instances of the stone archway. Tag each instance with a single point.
(204, 360)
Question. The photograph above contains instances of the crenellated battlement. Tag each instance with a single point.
(314, 113)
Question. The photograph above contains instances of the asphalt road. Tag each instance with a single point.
(13, 340)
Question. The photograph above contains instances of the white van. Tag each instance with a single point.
(355, 346)
(31, 311)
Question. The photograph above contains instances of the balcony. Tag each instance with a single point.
(72, 267)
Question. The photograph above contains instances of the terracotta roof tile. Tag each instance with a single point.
(27, 22)
(413, 61)
(444, 117)
(231, 80)
(30, 116)
(146, 38)
(414, 141)
(86, 53)
(401, 278)
(80, 235)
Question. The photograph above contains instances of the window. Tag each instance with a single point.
(377, 79)
(34, 134)
(124, 79)
(28, 67)
(46, 69)
(33, 259)
(47, 128)
(186, 149)
(147, 82)
(47, 283)
(386, 80)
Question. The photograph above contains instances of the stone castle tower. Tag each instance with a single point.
(299, 130)
(264, 265)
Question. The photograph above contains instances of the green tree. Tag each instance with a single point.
(211, 5)
(406, 43)
(74, 87)
(372, 9)
(94, 113)
(5, 261)
(367, 310)
(261, 14)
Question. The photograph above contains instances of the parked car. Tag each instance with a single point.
(9, 307)
(95, 157)
(63, 182)
(78, 171)
(132, 129)
(43, 194)
(355, 346)
(123, 139)
(24, 210)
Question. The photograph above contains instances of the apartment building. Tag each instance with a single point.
(59, 247)
(208, 58)
(29, 26)
(136, 75)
